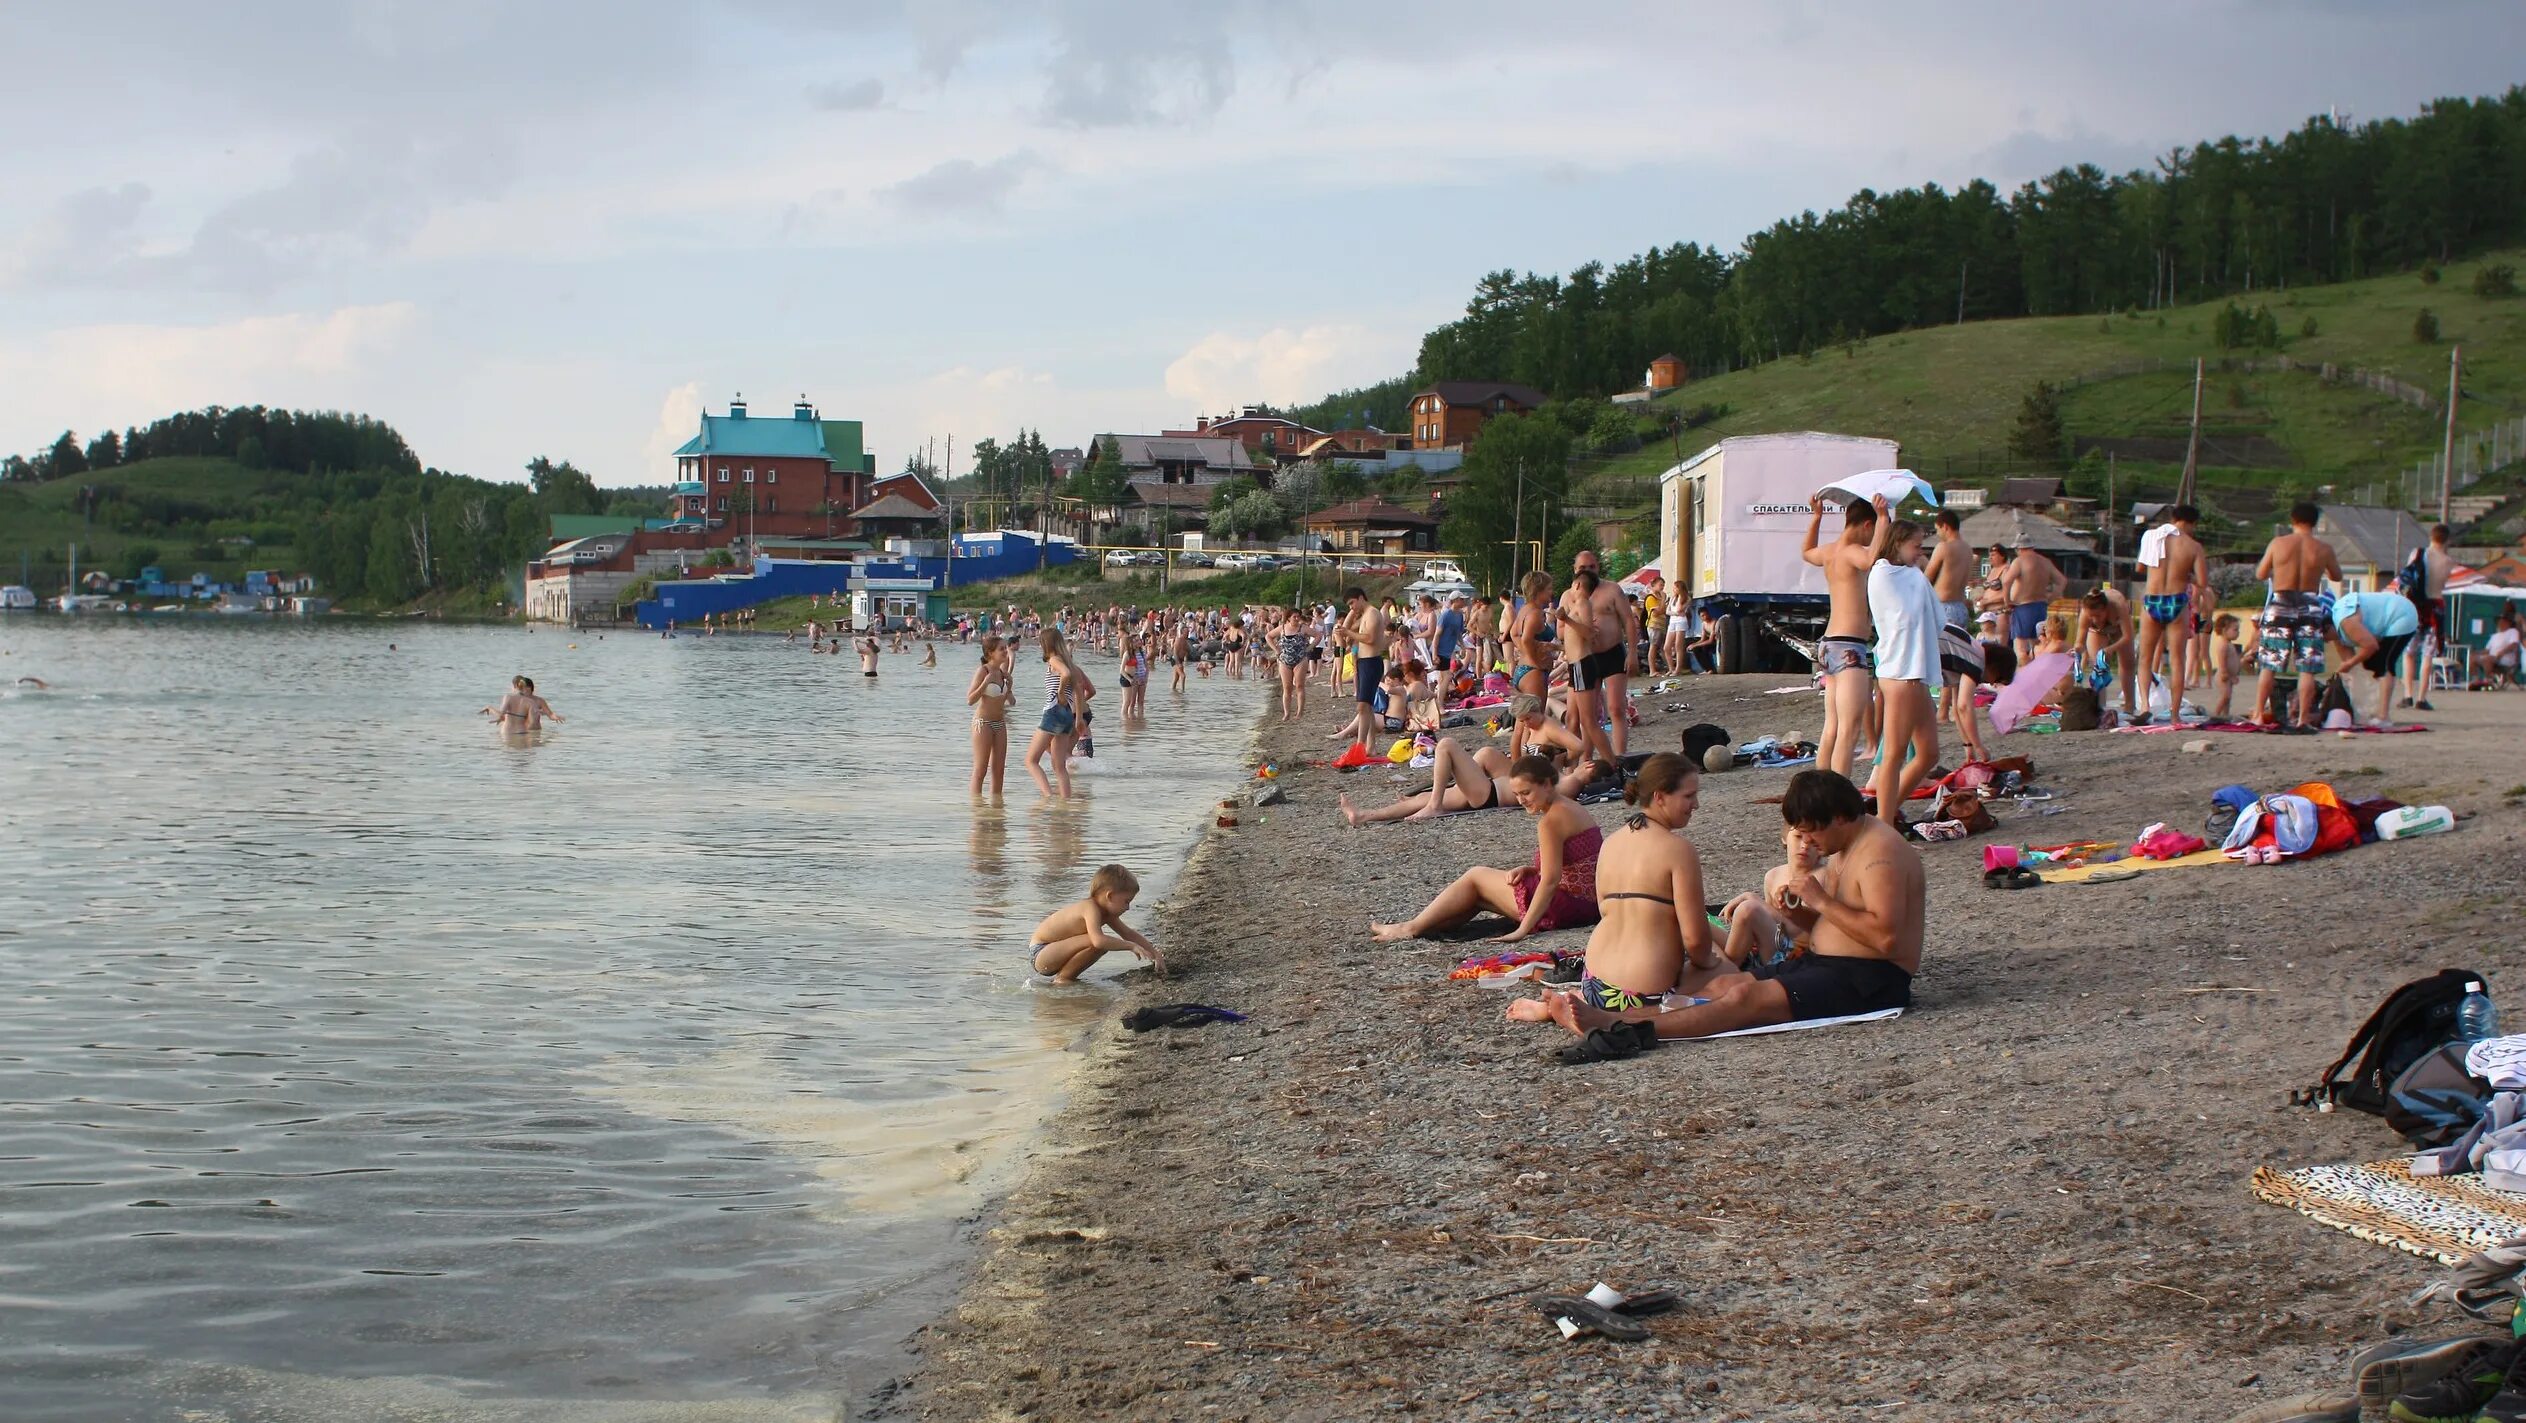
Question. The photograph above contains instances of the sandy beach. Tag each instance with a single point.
(2027, 1197)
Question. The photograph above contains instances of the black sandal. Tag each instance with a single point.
(1591, 1316)
(1611, 1043)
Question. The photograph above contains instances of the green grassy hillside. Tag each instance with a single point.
(185, 509)
(1951, 395)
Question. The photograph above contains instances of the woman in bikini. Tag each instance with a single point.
(1461, 780)
(1531, 634)
(519, 710)
(1556, 891)
(1058, 728)
(988, 695)
(1649, 893)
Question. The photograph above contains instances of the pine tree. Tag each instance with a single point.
(2039, 434)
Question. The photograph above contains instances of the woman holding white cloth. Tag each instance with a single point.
(1904, 605)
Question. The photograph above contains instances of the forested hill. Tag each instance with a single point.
(2329, 202)
(340, 496)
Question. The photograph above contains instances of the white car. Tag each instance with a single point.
(1121, 558)
(1439, 586)
(1231, 561)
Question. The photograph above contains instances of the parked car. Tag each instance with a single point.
(1378, 570)
(1267, 563)
(1194, 558)
(1439, 588)
(1226, 562)
(1121, 558)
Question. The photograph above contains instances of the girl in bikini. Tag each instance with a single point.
(988, 695)
(1649, 893)
(1555, 891)
(1531, 633)
(1059, 725)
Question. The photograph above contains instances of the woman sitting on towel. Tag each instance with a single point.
(1649, 892)
(1556, 891)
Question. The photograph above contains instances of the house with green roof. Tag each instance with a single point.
(798, 477)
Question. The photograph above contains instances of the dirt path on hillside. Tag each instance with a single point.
(2025, 1198)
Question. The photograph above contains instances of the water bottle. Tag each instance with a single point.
(2476, 1019)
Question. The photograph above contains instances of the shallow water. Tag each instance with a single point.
(354, 1062)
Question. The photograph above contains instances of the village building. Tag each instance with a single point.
(1267, 437)
(1451, 414)
(798, 476)
(1373, 526)
(2372, 545)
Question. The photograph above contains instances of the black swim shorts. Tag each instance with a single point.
(1838, 986)
(1589, 672)
(1368, 676)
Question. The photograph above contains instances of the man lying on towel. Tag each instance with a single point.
(1863, 908)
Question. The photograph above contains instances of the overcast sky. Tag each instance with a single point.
(562, 228)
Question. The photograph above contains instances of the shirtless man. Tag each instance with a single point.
(1951, 572)
(1365, 628)
(2178, 592)
(1863, 907)
(1843, 655)
(2293, 628)
(2031, 582)
(1576, 616)
(1617, 643)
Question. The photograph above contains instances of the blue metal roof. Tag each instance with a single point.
(769, 435)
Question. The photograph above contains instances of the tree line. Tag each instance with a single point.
(2331, 201)
(299, 442)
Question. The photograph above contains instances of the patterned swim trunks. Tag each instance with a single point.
(1597, 993)
(2292, 628)
(2165, 608)
(1844, 654)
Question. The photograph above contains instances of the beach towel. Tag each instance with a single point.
(1894, 485)
(1879, 1016)
(2444, 1218)
(2034, 680)
(2134, 865)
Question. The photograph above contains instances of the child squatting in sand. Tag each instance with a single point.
(1077, 935)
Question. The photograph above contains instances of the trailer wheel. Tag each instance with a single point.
(1731, 649)
(1749, 634)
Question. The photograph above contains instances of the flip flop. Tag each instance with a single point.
(1649, 1302)
(2011, 877)
(1587, 1315)
(1611, 1043)
(2112, 876)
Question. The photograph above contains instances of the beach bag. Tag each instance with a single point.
(2414, 1021)
(2079, 709)
(2436, 1100)
(1967, 807)
(2414, 575)
(2335, 698)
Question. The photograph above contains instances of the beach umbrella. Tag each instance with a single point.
(2038, 676)
(1896, 485)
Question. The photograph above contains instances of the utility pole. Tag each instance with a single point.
(2112, 524)
(2447, 452)
(1961, 268)
(1517, 527)
(2192, 447)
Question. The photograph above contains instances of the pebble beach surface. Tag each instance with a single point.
(2028, 1195)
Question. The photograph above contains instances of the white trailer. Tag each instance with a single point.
(1731, 520)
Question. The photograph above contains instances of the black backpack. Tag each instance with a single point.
(2413, 1021)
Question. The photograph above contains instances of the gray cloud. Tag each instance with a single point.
(366, 197)
(1118, 64)
(2027, 155)
(961, 187)
(850, 98)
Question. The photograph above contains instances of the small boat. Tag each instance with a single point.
(18, 598)
(85, 603)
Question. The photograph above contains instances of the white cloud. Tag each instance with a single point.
(842, 98)
(94, 377)
(679, 415)
(1282, 366)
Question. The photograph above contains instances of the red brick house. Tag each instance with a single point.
(1269, 437)
(1450, 414)
(795, 477)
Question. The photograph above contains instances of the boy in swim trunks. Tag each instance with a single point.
(1077, 935)
(2296, 623)
(1843, 657)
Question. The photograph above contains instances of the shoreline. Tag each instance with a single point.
(2029, 1192)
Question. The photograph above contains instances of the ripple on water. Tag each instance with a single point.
(330, 1029)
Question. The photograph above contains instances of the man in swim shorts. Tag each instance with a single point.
(2031, 581)
(1365, 627)
(2178, 583)
(1951, 572)
(1868, 902)
(2296, 621)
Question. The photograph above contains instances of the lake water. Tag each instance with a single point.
(356, 1064)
